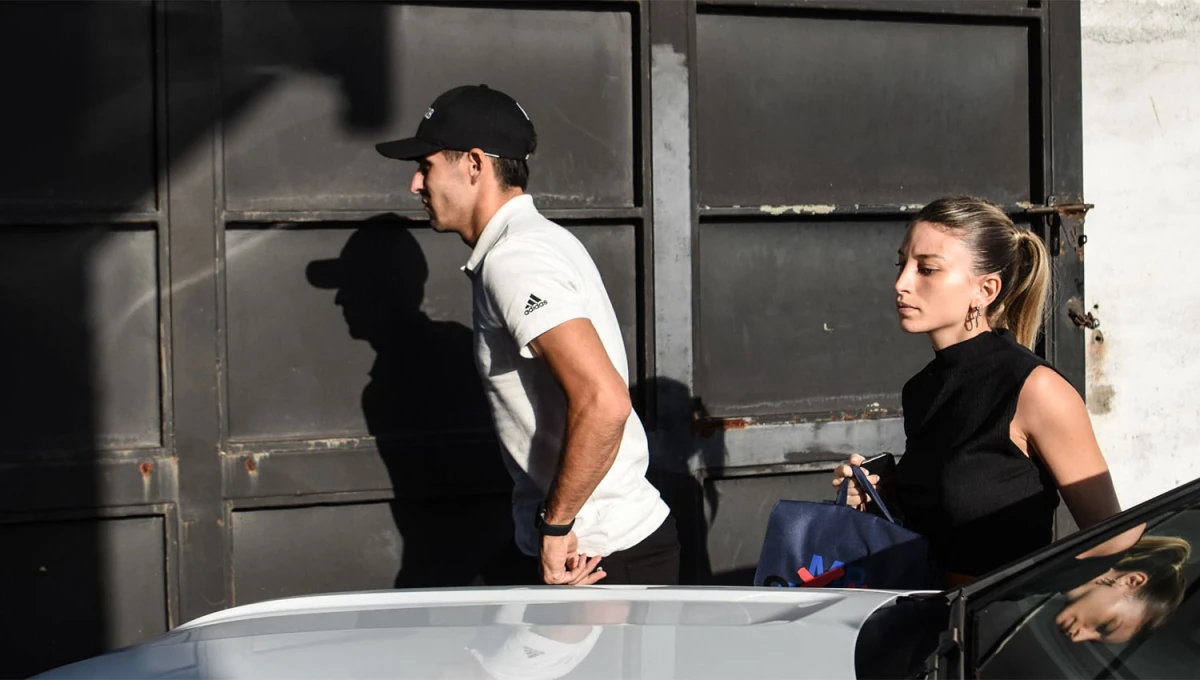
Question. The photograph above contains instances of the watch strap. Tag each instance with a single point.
(547, 529)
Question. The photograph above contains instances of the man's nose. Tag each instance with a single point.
(418, 182)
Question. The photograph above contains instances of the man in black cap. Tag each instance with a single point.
(550, 352)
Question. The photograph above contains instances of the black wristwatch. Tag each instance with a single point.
(545, 529)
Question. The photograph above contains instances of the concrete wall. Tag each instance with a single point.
(1141, 128)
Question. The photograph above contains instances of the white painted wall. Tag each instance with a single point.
(1141, 133)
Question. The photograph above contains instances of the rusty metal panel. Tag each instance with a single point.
(188, 58)
(739, 508)
(339, 331)
(308, 87)
(271, 109)
(820, 111)
(937, 8)
(33, 484)
(79, 115)
(800, 318)
(85, 363)
(1069, 343)
(408, 467)
(81, 588)
(405, 544)
(367, 558)
(613, 248)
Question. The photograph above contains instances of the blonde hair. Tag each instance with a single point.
(999, 246)
(1161, 559)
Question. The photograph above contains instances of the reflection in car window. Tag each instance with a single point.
(1129, 615)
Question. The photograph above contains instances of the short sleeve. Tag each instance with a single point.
(533, 289)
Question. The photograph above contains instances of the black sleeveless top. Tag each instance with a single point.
(962, 482)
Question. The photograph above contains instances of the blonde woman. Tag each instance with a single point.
(994, 434)
(1144, 587)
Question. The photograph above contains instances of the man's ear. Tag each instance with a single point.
(478, 162)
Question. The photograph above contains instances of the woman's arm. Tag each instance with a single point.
(1052, 423)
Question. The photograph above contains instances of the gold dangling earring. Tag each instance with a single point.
(972, 318)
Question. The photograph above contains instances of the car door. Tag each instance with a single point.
(1132, 614)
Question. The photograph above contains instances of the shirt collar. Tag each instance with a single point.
(496, 227)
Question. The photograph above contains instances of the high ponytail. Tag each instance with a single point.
(1023, 309)
(1161, 559)
(998, 246)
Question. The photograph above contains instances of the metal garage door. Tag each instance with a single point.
(239, 362)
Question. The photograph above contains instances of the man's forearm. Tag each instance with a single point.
(593, 439)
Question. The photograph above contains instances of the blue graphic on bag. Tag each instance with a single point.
(861, 549)
(815, 576)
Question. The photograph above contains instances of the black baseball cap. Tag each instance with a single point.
(465, 118)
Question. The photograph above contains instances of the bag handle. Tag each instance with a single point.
(860, 476)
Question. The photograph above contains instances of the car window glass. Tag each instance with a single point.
(1132, 615)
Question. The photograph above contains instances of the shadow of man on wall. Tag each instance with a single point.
(682, 453)
(426, 408)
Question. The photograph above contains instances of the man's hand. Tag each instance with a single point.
(563, 565)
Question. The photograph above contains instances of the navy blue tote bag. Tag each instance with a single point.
(823, 544)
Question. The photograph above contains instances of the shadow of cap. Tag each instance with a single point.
(326, 274)
(386, 254)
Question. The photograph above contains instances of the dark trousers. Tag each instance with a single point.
(653, 562)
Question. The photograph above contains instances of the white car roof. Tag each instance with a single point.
(545, 632)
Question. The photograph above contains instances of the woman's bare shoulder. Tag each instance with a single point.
(1047, 397)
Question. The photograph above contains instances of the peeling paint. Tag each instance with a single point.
(799, 209)
(707, 426)
(1141, 256)
(1100, 393)
(332, 444)
(1138, 23)
(146, 468)
(1100, 399)
(671, 162)
(338, 443)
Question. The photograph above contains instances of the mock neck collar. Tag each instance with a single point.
(973, 348)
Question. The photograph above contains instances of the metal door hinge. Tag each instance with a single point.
(1073, 209)
(1079, 318)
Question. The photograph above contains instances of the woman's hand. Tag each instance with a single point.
(844, 474)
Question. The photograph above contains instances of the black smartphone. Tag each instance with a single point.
(881, 465)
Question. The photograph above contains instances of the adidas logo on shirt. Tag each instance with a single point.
(534, 303)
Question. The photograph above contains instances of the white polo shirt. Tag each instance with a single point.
(530, 275)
